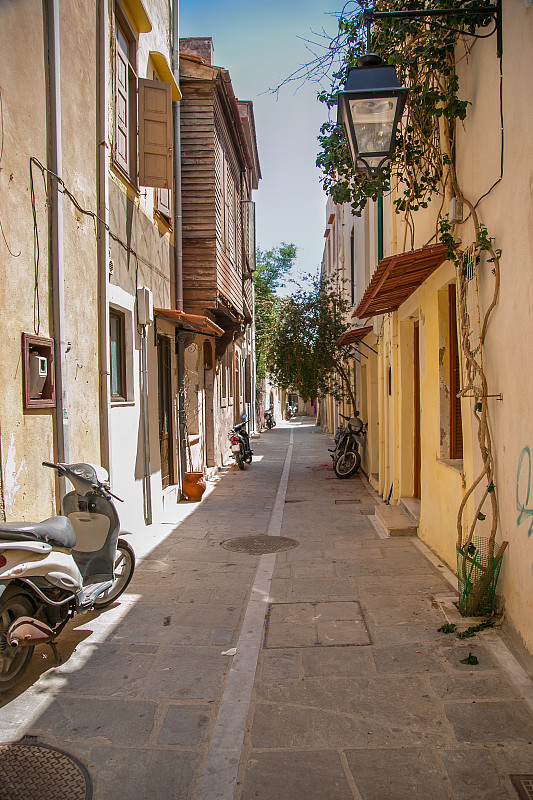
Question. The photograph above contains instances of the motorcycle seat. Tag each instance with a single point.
(56, 531)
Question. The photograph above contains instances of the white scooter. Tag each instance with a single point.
(52, 570)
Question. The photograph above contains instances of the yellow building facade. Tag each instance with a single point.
(422, 450)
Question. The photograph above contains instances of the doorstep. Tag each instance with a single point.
(411, 506)
(395, 520)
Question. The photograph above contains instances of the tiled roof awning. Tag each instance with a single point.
(354, 335)
(192, 322)
(397, 277)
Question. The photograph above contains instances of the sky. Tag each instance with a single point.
(260, 44)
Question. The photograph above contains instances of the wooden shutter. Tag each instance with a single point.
(155, 134)
(163, 202)
(456, 427)
(122, 112)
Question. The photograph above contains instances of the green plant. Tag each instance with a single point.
(302, 354)
(273, 267)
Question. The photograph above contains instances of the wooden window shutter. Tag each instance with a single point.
(456, 427)
(163, 202)
(122, 111)
(155, 134)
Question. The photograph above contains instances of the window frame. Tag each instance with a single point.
(122, 395)
(129, 168)
(456, 420)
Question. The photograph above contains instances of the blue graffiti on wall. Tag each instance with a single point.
(522, 506)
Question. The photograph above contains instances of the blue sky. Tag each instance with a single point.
(259, 44)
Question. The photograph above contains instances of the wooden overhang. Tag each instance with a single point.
(354, 335)
(191, 322)
(397, 277)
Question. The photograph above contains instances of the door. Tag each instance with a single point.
(164, 369)
(417, 461)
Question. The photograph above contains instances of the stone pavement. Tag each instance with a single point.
(341, 686)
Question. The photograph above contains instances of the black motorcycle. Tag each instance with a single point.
(240, 443)
(348, 440)
(268, 414)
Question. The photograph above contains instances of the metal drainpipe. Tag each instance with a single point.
(146, 430)
(103, 236)
(56, 237)
(178, 242)
(380, 228)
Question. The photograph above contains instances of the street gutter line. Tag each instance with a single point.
(219, 776)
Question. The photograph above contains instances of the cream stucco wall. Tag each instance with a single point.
(28, 436)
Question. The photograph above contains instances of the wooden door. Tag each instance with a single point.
(164, 365)
(417, 460)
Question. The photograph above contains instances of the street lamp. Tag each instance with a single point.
(372, 102)
(370, 107)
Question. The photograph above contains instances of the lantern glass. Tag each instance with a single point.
(373, 122)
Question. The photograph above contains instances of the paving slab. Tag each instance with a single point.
(295, 776)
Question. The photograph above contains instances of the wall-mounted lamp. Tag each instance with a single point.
(371, 104)
(370, 107)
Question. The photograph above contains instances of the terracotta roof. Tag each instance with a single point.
(191, 321)
(354, 335)
(397, 277)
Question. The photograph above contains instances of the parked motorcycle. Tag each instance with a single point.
(348, 440)
(50, 571)
(268, 414)
(240, 443)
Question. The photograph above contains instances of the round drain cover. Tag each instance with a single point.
(32, 771)
(260, 545)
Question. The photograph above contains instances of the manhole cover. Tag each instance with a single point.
(33, 771)
(346, 501)
(523, 785)
(259, 545)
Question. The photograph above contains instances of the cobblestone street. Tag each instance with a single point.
(341, 686)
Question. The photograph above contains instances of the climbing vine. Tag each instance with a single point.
(423, 174)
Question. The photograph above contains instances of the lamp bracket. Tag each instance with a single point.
(494, 11)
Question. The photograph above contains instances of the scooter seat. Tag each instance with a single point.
(56, 531)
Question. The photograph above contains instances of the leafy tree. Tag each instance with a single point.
(272, 270)
(302, 354)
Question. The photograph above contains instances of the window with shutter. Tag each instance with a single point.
(155, 134)
(163, 202)
(125, 144)
(456, 427)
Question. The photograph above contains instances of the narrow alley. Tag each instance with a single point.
(317, 671)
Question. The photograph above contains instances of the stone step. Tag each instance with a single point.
(395, 520)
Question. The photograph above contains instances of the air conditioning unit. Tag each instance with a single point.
(145, 306)
(38, 375)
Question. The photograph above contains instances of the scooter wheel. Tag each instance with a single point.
(347, 464)
(13, 661)
(123, 572)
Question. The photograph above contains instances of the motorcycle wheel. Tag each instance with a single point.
(347, 464)
(240, 460)
(123, 571)
(273, 423)
(13, 661)
(269, 424)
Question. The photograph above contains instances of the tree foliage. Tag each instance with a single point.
(273, 267)
(302, 354)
